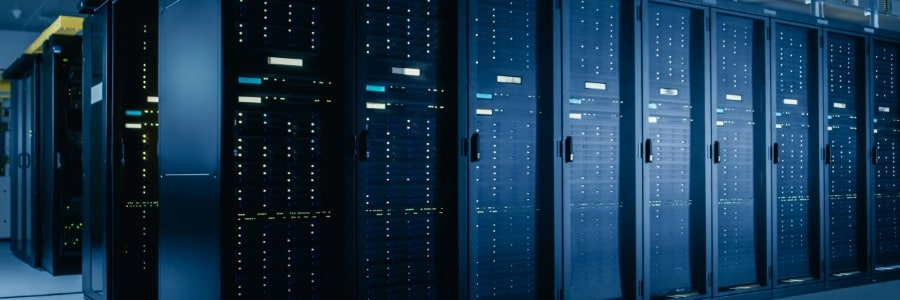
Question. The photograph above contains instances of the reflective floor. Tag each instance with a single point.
(20, 281)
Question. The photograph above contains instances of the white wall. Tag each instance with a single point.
(12, 44)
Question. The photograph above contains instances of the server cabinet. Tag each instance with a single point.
(740, 156)
(675, 153)
(884, 157)
(251, 149)
(797, 241)
(60, 155)
(599, 114)
(123, 117)
(506, 219)
(845, 155)
(25, 230)
(406, 133)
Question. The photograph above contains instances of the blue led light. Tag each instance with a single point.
(133, 113)
(484, 96)
(575, 100)
(375, 88)
(250, 80)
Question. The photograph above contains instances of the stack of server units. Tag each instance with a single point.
(676, 260)
(252, 149)
(510, 229)
(24, 236)
(796, 238)
(60, 155)
(599, 101)
(846, 213)
(885, 154)
(740, 212)
(120, 132)
(405, 202)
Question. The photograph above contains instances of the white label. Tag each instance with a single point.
(652, 120)
(484, 111)
(600, 86)
(152, 99)
(376, 105)
(133, 125)
(509, 79)
(884, 109)
(869, 30)
(97, 93)
(284, 61)
(769, 12)
(406, 71)
(720, 123)
(840, 105)
(822, 22)
(778, 126)
(789, 101)
(575, 116)
(668, 92)
(733, 97)
(249, 99)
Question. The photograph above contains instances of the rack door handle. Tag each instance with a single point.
(648, 151)
(775, 153)
(363, 145)
(716, 152)
(828, 154)
(874, 154)
(569, 149)
(476, 154)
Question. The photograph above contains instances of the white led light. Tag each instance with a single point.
(152, 99)
(284, 61)
(789, 101)
(733, 97)
(575, 116)
(133, 125)
(595, 86)
(668, 92)
(376, 105)
(249, 99)
(840, 105)
(484, 112)
(406, 71)
(509, 79)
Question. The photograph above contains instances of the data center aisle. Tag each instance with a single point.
(20, 281)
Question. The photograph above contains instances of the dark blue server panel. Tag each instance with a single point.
(675, 179)
(503, 104)
(736, 63)
(283, 212)
(592, 180)
(886, 123)
(403, 201)
(845, 67)
(795, 232)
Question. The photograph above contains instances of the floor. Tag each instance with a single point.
(20, 281)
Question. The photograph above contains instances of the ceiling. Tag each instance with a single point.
(34, 15)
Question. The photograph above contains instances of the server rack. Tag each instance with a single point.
(600, 105)
(124, 100)
(676, 165)
(25, 230)
(884, 154)
(846, 154)
(797, 203)
(740, 153)
(509, 226)
(60, 155)
(406, 128)
(251, 149)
